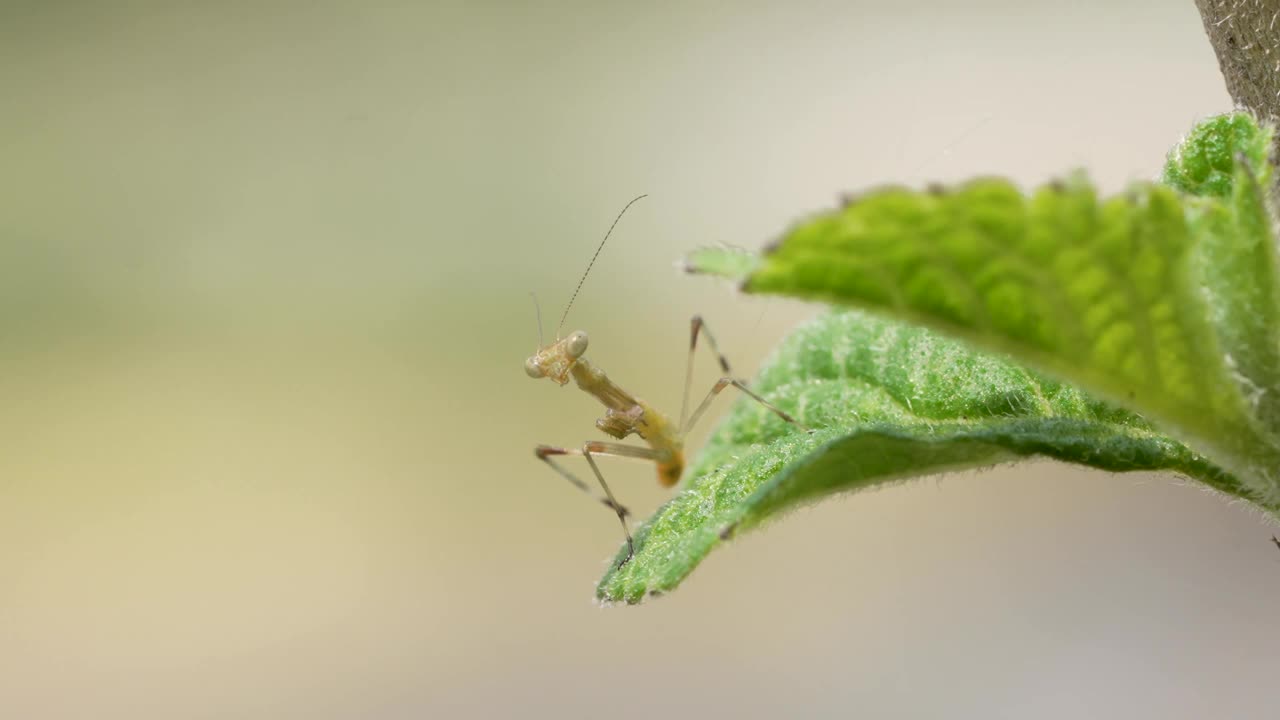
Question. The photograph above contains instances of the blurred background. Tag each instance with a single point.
(265, 437)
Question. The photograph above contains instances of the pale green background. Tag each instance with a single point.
(266, 442)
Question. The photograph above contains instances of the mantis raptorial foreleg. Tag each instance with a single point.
(589, 450)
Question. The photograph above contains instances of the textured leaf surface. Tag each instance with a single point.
(890, 402)
(1160, 302)
(1224, 161)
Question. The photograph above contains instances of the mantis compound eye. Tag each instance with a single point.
(534, 369)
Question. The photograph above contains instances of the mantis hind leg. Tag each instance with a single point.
(588, 451)
(698, 327)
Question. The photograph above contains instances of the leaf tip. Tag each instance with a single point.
(614, 592)
(1204, 162)
(730, 263)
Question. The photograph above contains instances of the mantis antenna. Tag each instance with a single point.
(537, 310)
(593, 262)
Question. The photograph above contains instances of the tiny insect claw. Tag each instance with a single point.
(631, 552)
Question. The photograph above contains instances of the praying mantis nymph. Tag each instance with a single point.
(626, 414)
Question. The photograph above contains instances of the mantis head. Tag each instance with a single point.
(557, 359)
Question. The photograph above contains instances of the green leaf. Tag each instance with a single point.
(1163, 300)
(891, 401)
(726, 262)
(1160, 302)
(1224, 161)
(1206, 162)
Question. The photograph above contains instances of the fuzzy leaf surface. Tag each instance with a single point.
(1160, 301)
(890, 401)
